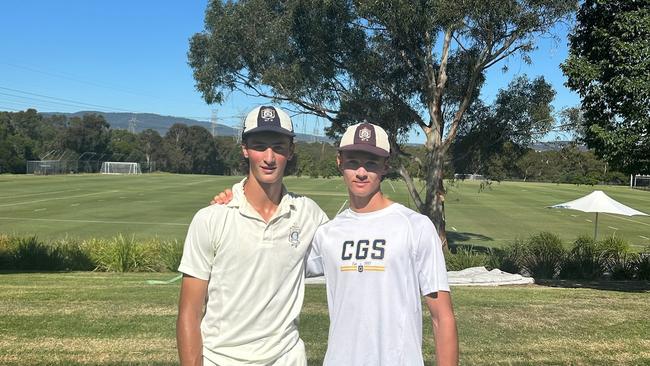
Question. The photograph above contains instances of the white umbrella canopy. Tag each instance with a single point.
(598, 201)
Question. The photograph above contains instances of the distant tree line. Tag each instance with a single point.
(89, 140)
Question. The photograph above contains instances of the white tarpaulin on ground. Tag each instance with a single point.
(475, 276)
(480, 276)
(598, 201)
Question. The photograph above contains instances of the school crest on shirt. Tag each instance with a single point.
(294, 236)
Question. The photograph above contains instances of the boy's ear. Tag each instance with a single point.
(244, 151)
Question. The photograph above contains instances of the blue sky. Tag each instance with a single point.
(131, 56)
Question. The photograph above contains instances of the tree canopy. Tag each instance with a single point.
(401, 64)
(609, 66)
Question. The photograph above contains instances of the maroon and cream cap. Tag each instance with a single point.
(268, 118)
(366, 137)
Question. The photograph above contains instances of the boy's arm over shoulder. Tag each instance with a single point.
(313, 260)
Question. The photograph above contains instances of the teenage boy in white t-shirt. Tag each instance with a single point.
(379, 258)
(243, 263)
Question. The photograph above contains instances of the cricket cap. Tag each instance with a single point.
(268, 118)
(366, 137)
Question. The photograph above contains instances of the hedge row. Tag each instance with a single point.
(543, 256)
(118, 254)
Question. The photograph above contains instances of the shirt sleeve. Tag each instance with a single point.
(314, 261)
(198, 250)
(430, 261)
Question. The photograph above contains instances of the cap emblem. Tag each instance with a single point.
(267, 114)
(365, 134)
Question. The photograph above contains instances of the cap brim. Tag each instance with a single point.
(366, 148)
(275, 129)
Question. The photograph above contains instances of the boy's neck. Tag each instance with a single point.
(374, 202)
(264, 198)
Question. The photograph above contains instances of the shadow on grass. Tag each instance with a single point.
(455, 236)
(607, 285)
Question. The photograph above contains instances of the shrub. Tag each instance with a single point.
(465, 258)
(171, 252)
(643, 267)
(75, 255)
(543, 255)
(6, 252)
(583, 261)
(510, 258)
(31, 254)
(121, 254)
(617, 258)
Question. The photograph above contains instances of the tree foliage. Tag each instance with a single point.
(609, 66)
(494, 137)
(400, 64)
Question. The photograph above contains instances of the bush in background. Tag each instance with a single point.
(543, 255)
(583, 260)
(31, 254)
(6, 252)
(510, 259)
(643, 266)
(618, 260)
(465, 257)
(170, 254)
(122, 254)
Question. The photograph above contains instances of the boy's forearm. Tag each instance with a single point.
(446, 339)
(189, 341)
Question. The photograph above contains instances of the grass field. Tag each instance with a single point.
(116, 319)
(163, 204)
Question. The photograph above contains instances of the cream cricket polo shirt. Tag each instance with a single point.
(256, 276)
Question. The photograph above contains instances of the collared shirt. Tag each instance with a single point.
(255, 271)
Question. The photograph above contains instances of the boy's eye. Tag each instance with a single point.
(351, 164)
(278, 149)
(259, 147)
(371, 165)
(355, 164)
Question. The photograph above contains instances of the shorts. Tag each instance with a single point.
(295, 357)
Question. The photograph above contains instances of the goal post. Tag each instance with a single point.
(640, 181)
(119, 167)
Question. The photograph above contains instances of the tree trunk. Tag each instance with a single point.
(434, 205)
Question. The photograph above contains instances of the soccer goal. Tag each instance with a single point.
(119, 167)
(47, 167)
(640, 181)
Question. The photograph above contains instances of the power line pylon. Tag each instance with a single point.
(133, 124)
(213, 121)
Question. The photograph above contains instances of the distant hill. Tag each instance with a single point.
(554, 146)
(163, 123)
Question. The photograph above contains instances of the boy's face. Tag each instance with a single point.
(267, 154)
(362, 172)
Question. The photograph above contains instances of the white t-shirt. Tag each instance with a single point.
(256, 276)
(377, 266)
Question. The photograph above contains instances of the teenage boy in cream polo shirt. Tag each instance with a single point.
(244, 262)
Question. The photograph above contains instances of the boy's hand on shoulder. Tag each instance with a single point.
(222, 198)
